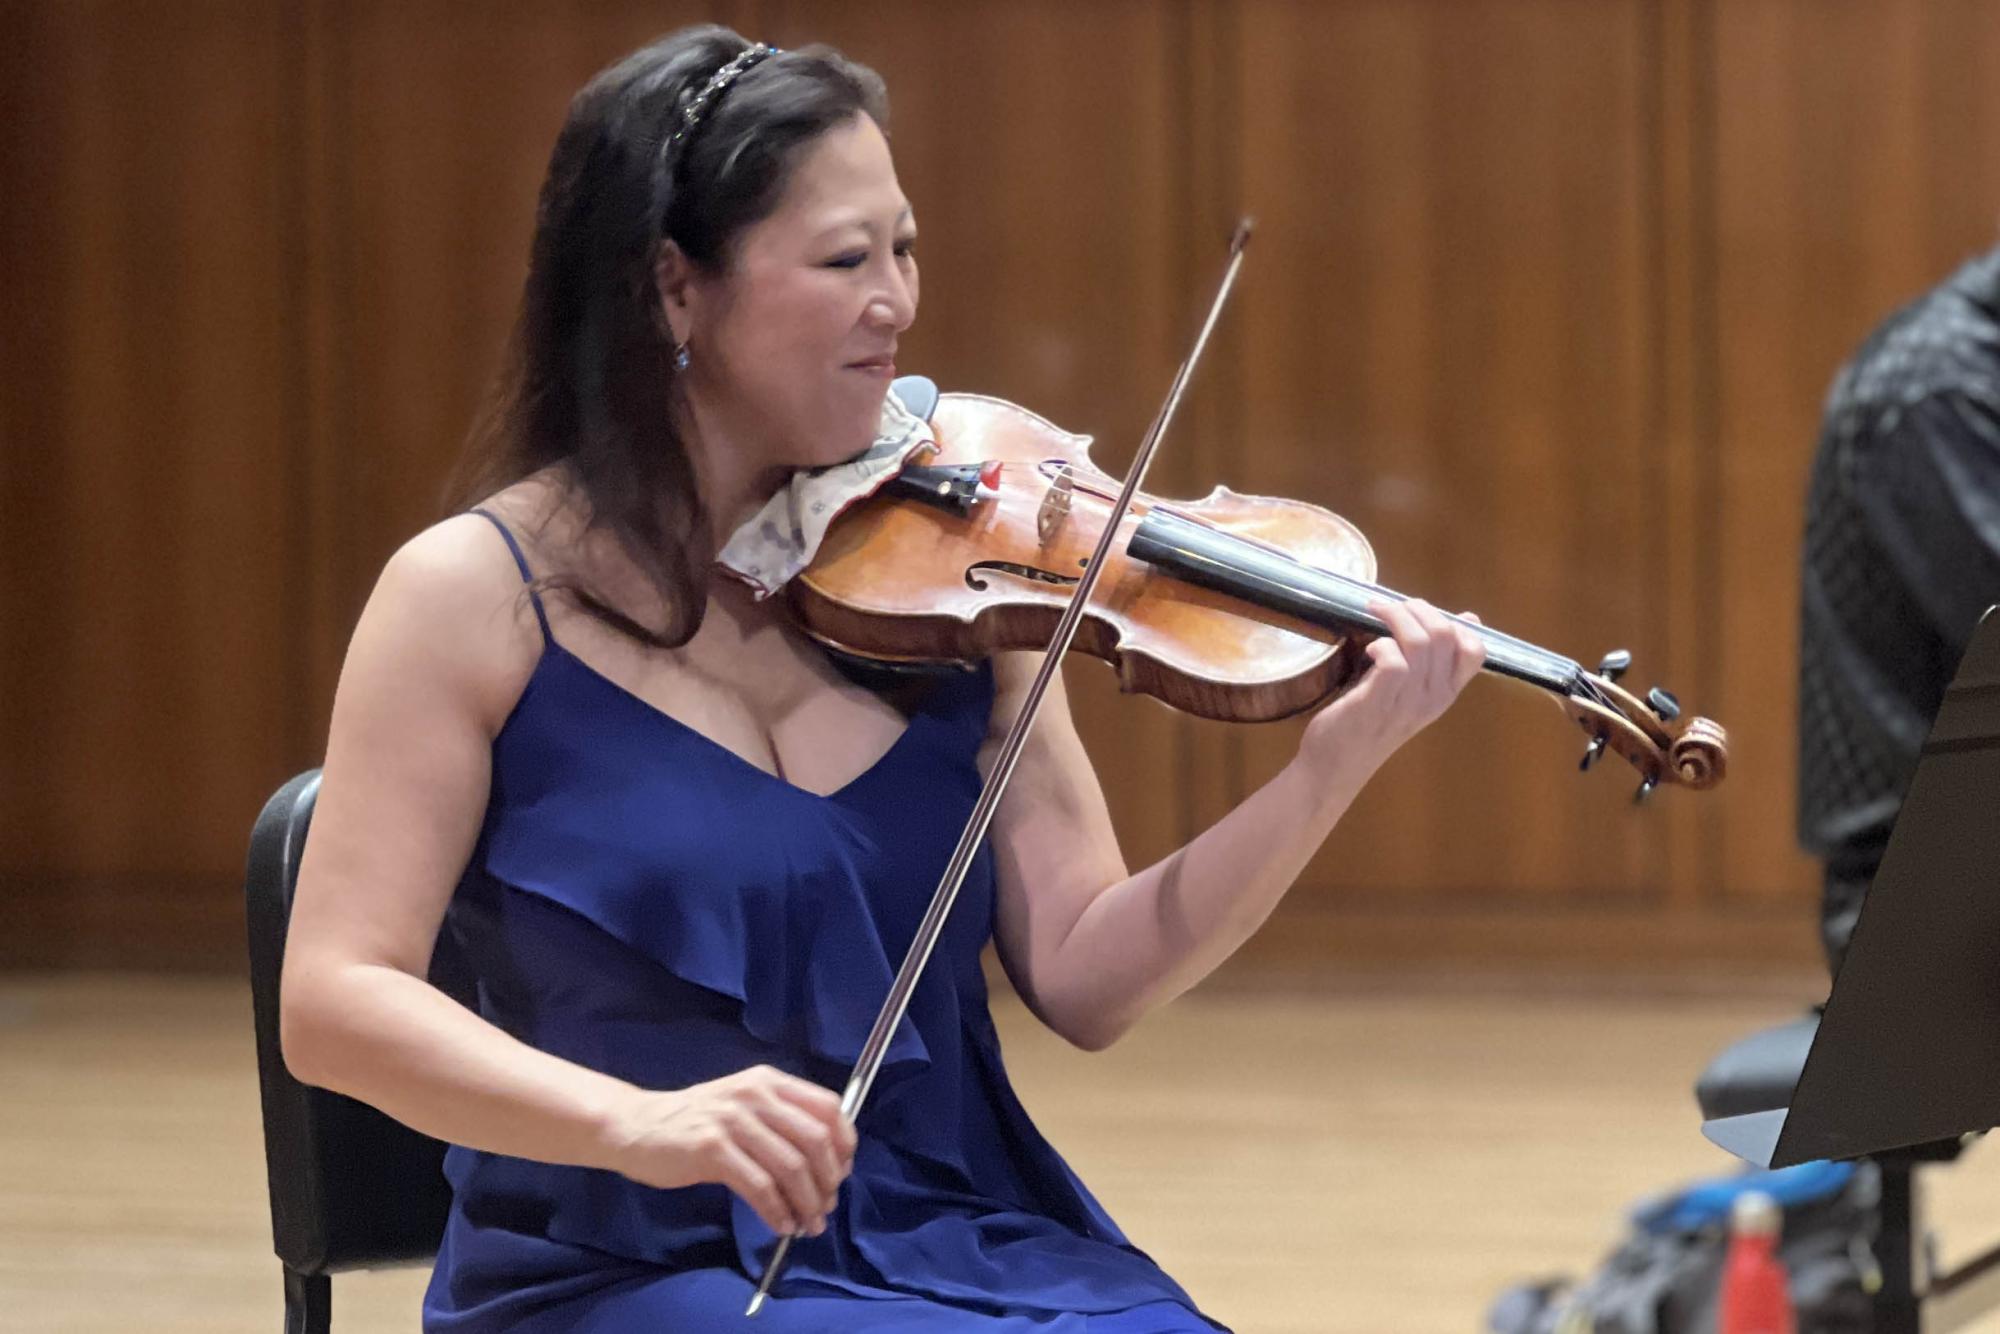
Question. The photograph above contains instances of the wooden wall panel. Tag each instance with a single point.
(153, 705)
(1681, 410)
(31, 446)
(1445, 337)
(1855, 154)
(1546, 294)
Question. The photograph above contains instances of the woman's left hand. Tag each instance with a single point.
(1413, 675)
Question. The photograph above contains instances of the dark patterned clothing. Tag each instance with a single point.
(1902, 555)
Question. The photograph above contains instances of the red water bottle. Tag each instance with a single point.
(1756, 1296)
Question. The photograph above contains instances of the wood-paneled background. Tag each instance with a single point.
(1545, 296)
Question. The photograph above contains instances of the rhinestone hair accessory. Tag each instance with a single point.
(712, 91)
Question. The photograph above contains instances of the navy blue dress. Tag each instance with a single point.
(647, 903)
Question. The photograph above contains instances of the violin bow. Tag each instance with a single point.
(869, 1063)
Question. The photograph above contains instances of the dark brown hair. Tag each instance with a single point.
(589, 382)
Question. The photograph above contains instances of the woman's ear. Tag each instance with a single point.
(674, 275)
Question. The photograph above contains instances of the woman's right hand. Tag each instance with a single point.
(778, 1141)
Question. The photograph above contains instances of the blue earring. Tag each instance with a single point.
(680, 356)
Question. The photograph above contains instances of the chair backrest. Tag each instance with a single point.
(350, 1188)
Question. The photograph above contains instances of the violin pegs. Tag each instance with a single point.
(1595, 750)
(1664, 704)
(1645, 791)
(1614, 664)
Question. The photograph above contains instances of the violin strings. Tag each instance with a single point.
(1556, 663)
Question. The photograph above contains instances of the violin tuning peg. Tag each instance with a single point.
(1614, 664)
(1596, 749)
(1664, 704)
(1645, 791)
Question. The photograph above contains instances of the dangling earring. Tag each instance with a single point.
(681, 356)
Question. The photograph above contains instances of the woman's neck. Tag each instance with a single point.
(730, 465)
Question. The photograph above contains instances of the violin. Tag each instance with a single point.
(1235, 607)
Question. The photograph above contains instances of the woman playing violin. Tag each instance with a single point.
(681, 853)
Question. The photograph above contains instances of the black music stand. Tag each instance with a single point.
(1907, 1053)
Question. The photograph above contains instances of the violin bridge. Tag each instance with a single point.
(1055, 504)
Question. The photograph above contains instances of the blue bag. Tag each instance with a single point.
(1663, 1278)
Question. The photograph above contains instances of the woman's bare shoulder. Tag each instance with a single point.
(466, 554)
(451, 600)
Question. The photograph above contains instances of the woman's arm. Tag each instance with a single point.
(439, 658)
(1091, 947)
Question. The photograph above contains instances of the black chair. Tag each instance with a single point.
(350, 1188)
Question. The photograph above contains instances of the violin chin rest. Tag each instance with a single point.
(918, 392)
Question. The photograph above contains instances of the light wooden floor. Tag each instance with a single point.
(1377, 1160)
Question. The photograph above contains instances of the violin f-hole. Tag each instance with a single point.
(1018, 571)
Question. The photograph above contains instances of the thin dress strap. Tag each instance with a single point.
(527, 575)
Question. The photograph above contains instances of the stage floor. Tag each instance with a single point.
(1374, 1158)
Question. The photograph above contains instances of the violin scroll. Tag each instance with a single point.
(1694, 755)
